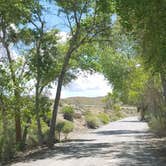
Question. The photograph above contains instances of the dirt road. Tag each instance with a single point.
(122, 143)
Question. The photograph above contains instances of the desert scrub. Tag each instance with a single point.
(64, 127)
(67, 128)
(116, 113)
(92, 120)
(116, 107)
(68, 113)
(104, 118)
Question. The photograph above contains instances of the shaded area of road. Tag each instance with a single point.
(122, 143)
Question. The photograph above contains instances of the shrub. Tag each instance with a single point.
(92, 121)
(45, 131)
(7, 145)
(158, 125)
(64, 127)
(59, 127)
(116, 115)
(104, 118)
(67, 128)
(32, 139)
(116, 107)
(68, 113)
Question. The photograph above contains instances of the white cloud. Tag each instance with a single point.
(86, 85)
(64, 36)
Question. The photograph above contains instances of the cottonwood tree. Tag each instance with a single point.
(43, 64)
(45, 59)
(7, 106)
(86, 20)
(145, 21)
(12, 14)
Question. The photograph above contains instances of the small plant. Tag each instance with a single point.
(92, 121)
(64, 127)
(67, 128)
(116, 113)
(68, 113)
(104, 118)
(116, 107)
(59, 127)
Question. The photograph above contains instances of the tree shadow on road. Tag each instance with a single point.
(141, 151)
(120, 132)
(72, 150)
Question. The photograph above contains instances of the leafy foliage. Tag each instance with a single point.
(7, 145)
(104, 118)
(68, 113)
(64, 127)
(92, 120)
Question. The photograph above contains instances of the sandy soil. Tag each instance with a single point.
(122, 143)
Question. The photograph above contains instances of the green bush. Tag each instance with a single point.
(45, 131)
(64, 127)
(158, 125)
(116, 115)
(32, 139)
(7, 145)
(92, 121)
(68, 113)
(116, 107)
(67, 128)
(59, 127)
(104, 118)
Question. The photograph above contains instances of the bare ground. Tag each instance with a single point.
(122, 143)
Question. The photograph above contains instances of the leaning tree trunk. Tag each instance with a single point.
(57, 99)
(74, 45)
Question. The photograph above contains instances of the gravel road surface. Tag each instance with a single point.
(127, 142)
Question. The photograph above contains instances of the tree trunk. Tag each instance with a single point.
(39, 129)
(4, 118)
(16, 94)
(59, 136)
(25, 132)
(57, 99)
(74, 45)
(163, 80)
(37, 95)
(18, 128)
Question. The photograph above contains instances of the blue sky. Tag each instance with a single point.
(52, 20)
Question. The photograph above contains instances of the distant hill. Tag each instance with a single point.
(85, 101)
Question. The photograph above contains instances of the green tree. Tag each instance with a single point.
(145, 21)
(12, 15)
(86, 20)
(43, 64)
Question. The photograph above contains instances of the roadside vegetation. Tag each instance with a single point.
(64, 127)
(68, 113)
